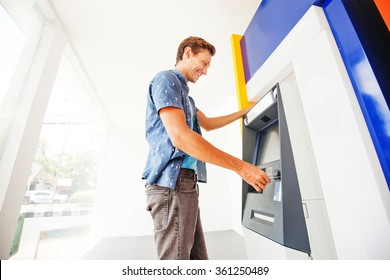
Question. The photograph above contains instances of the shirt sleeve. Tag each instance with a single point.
(166, 92)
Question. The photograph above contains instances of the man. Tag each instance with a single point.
(178, 152)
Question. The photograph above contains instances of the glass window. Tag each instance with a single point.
(59, 203)
(12, 41)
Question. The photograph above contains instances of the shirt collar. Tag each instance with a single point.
(181, 76)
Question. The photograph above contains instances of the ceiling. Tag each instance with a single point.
(121, 44)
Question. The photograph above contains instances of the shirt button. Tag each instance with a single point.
(177, 166)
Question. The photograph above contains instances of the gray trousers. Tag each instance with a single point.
(178, 230)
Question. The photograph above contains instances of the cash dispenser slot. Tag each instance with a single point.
(276, 212)
(263, 217)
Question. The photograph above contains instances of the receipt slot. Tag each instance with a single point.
(275, 213)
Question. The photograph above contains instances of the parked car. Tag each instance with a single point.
(46, 197)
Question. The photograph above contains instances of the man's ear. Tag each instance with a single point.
(187, 52)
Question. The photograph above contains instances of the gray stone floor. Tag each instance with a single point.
(221, 245)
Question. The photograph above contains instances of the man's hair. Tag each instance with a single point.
(196, 44)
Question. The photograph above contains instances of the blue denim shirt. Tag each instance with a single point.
(167, 89)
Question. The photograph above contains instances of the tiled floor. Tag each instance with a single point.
(221, 245)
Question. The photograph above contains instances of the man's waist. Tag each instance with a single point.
(188, 172)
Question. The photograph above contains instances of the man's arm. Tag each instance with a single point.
(218, 122)
(191, 143)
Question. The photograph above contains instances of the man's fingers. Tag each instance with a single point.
(259, 187)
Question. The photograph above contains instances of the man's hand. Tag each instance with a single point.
(247, 109)
(254, 176)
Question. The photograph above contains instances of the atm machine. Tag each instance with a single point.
(275, 220)
(328, 196)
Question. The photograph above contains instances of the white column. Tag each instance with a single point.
(21, 119)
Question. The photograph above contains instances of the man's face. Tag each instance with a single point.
(197, 65)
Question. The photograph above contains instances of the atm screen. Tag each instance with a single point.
(267, 147)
